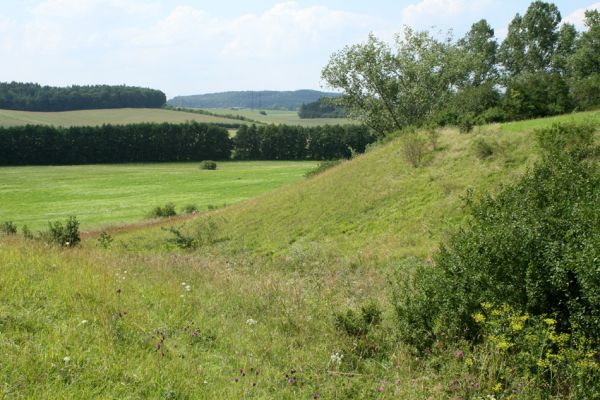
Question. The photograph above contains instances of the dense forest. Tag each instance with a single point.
(193, 141)
(34, 97)
(267, 99)
(322, 108)
(543, 67)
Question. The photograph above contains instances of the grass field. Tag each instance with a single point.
(280, 117)
(252, 314)
(108, 194)
(99, 117)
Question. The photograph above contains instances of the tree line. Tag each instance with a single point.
(285, 142)
(322, 108)
(543, 67)
(192, 141)
(148, 142)
(34, 97)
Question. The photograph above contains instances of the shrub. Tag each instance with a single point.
(105, 240)
(208, 165)
(168, 210)
(433, 135)
(534, 247)
(466, 123)
(323, 166)
(483, 149)
(413, 149)
(8, 228)
(27, 234)
(262, 112)
(190, 209)
(64, 235)
(360, 329)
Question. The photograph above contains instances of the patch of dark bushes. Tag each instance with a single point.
(208, 165)
(168, 210)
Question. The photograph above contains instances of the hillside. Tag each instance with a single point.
(108, 116)
(255, 312)
(267, 99)
(376, 206)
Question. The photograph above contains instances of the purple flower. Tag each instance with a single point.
(459, 354)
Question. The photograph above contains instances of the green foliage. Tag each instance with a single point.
(8, 228)
(27, 234)
(262, 112)
(168, 210)
(361, 329)
(63, 235)
(483, 148)
(190, 209)
(323, 166)
(532, 246)
(104, 240)
(202, 234)
(34, 97)
(28, 145)
(325, 107)
(208, 165)
(413, 148)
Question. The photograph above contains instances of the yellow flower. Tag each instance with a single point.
(550, 321)
(479, 318)
(497, 387)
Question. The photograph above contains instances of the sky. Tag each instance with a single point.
(188, 47)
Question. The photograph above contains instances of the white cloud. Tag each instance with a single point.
(577, 17)
(181, 49)
(443, 13)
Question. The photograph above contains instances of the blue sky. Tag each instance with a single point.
(200, 46)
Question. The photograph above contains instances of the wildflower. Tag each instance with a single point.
(183, 283)
(497, 387)
(251, 321)
(454, 385)
(291, 380)
(550, 321)
(479, 318)
(459, 354)
(188, 287)
(336, 358)
(66, 359)
(84, 322)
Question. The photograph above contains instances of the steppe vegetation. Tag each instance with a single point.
(457, 257)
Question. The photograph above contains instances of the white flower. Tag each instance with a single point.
(251, 321)
(66, 359)
(336, 358)
(84, 322)
(183, 284)
(188, 288)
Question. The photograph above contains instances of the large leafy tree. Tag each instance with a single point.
(532, 40)
(479, 54)
(389, 90)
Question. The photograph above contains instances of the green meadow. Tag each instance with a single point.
(279, 117)
(101, 195)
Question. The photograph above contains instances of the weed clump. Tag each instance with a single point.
(483, 149)
(322, 167)
(8, 228)
(413, 149)
(190, 209)
(168, 210)
(63, 235)
(208, 165)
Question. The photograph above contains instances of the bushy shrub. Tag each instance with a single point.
(433, 135)
(466, 122)
(208, 165)
(483, 148)
(105, 240)
(413, 149)
(364, 339)
(323, 166)
(8, 228)
(168, 210)
(190, 209)
(534, 247)
(64, 235)
(27, 234)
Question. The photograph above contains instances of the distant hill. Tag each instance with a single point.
(266, 99)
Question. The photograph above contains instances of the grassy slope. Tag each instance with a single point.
(365, 209)
(99, 117)
(280, 117)
(107, 194)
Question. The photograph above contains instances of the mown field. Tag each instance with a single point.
(118, 116)
(111, 194)
(280, 117)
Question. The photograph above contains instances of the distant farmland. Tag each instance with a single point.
(110, 116)
(279, 117)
